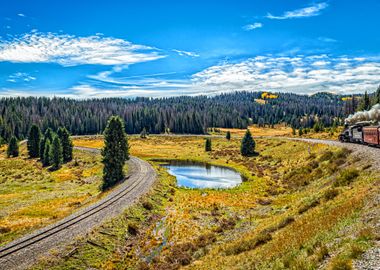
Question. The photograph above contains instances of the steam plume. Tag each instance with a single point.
(372, 115)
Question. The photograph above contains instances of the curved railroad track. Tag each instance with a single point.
(23, 252)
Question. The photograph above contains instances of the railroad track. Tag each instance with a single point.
(23, 252)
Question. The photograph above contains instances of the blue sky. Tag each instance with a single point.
(85, 48)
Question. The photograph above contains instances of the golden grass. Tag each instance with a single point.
(199, 226)
(31, 196)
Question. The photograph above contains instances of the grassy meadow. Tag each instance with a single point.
(32, 196)
(302, 206)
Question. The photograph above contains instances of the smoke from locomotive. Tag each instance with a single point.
(373, 115)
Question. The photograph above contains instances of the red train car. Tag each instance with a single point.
(371, 135)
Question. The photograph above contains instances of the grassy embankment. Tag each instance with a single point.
(282, 131)
(32, 196)
(302, 206)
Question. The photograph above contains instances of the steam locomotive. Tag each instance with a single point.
(362, 132)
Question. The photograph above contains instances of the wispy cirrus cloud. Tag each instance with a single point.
(20, 77)
(250, 27)
(310, 11)
(186, 53)
(69, 50)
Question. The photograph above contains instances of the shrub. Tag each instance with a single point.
(330, 194)
(366, 234)
(327, 155)
(341, 264)
(346, 177)
(321, 253)
(205, 239)
(133, 228)
(208, 145)
(308, 205)
(342, 153)
(147, 205)
(355, 250)
(248, 244)
(282, 224)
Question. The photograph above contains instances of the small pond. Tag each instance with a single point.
(202, 175)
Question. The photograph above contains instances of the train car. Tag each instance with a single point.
(371, 135)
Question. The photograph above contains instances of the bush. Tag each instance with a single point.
(133, 229)
(341, 264)
(208, 145)
(308, 205)
(330, 194)
(147, 205)
(355, 250)
(248, 244)
(282, 224)
(346, 177)
(327, 155)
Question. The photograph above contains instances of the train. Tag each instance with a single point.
(363, 133)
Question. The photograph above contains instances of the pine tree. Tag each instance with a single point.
(46, 158)
(67, 144)
(13, 150)
(47, 136)
(34, 141)
(208, 145)
(228, 135)
(300, 132)
(377, 96)
(247, 147)
(115, 152)
(367, 104)
(56, 157)
(143, 133)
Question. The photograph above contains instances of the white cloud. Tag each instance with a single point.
(252, 26)
(186, 53)
(21, 15)
(300, 74)
(310, 11)
(68, 50)
(20, 77)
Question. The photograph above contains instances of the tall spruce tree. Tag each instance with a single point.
(13, 150)
(228, 135)
(46, 157)
(48, 135)
(115, 152)
(377, 96)
(248, 145)
(67, 144)
(56, 156)
(34, 141)
(365, 103)
(208, 145)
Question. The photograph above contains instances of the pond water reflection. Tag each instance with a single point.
(201, 175)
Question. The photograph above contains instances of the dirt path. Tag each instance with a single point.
(25, 251)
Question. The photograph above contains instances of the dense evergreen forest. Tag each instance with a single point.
(176, 114)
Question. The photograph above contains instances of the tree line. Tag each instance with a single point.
(192, 115)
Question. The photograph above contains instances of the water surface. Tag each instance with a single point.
(198, 175)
